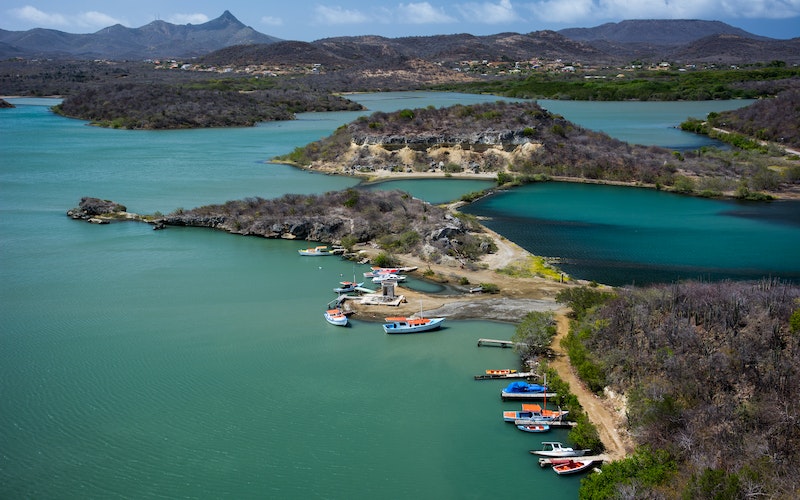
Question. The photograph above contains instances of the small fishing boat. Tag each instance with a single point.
(387, 277)
(336, 317)
(572, 467)
(316, 251)
(554, 449)
(411, 325)
(500, 372)
(533, 412)
(378, 271)
(348, 286)
(534, 427)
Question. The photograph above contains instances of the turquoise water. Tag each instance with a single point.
(192, 363)
(643, 122)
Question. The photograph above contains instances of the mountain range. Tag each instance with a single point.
(225, 38)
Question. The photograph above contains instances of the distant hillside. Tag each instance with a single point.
(655, 31)
(159, 39)
(226, 41)
(380, 51)
(691, 41)
(736, 49)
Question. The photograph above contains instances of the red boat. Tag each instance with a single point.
(572, 467)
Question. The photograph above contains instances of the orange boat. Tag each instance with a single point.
(500, 372)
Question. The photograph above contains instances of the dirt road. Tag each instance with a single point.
(601, 412)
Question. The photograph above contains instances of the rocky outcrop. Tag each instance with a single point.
(90, 208)
(6, 104)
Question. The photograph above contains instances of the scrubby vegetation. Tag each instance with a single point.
(533, 337)
(643, 86)
(711, 372)
(212, 104)
(394, 219)
(776, 120)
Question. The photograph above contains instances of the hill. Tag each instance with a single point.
(519, 141)
(158, 39)
(612, 43)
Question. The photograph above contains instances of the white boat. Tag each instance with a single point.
(411, 325)
(386, 277)
(554, 449)
(316, 251)
(336, 317)
(533, 428)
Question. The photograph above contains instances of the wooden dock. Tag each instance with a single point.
(526, 396)
(498, 376)
(548, 462)
(497, 343)
(554, 424)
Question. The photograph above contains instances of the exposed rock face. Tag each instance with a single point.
(6, 104)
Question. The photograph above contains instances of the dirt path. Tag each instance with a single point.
(600, 411)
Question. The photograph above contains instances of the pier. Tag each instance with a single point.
(497, 343)
(497, 376)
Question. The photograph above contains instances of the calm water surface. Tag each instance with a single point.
(191, 363)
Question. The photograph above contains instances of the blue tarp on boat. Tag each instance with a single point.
(524, 387)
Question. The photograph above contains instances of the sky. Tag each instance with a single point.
(309, 21)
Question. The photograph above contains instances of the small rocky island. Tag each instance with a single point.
(393, 220)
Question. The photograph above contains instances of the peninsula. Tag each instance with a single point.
(518, 142)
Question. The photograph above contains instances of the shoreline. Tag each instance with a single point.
(378, 177)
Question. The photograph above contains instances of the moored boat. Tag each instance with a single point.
(572, 467)
(347, 286)
(388, 277)
(411, 325)
(533, 412)
(500, 372)
(534, 427)
(316, 251)
(557, 450)
(336, 317)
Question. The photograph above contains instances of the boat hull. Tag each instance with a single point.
(336, 317)
(572, 467)
(534, 428)
(413, 326)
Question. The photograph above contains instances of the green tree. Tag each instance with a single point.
(536, 332)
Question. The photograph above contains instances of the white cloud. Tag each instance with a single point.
(489, 13)
(83, 20)
(338, 15)
(594, 12)
(422, 13)
(94, 18)
(271, 21)
(188, 18)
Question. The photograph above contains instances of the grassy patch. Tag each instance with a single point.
(533, 266)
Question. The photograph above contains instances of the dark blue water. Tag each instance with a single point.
(619, 236)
